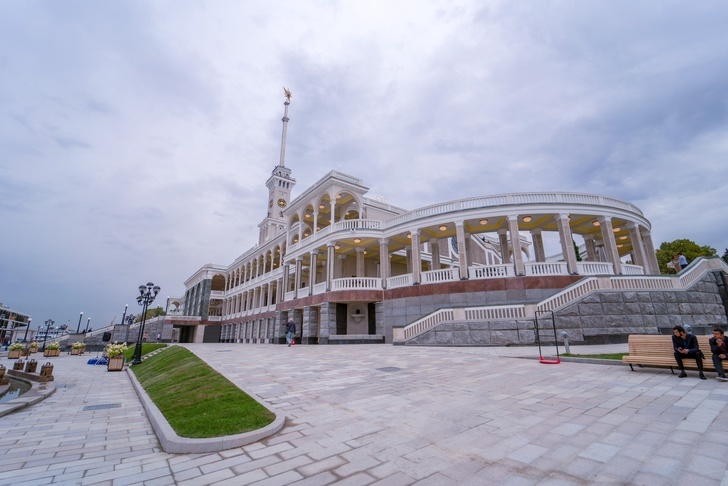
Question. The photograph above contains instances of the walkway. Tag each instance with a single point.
(375, 414)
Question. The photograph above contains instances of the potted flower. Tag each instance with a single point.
(34, 347)
(115, 354)
(52, 349)
(15, 350)
(78, 348)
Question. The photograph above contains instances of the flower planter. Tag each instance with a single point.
(14, 354)
(49, 353)
(33, 350)
(115, 364)
(75, 351)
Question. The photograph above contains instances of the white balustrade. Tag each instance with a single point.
(569, 294)
(399, 281)
(442, 275)
(491, 271)
(428, 322)
(545, 268)
(594, 268)
(496, 312)
(357, 283)
(319, 288)
(628, 269)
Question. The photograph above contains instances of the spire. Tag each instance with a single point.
(287, 94)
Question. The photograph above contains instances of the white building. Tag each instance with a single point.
(351, 268)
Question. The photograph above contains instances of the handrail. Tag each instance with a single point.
(685, 279)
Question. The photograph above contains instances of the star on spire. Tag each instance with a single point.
(287, 94)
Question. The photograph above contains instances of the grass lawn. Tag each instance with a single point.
(146, 349)
(196, 400)
(617, 356)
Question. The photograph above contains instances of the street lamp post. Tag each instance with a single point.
(123, 318)
(87, 324)
(129, 322)
(48, 324)
(147, 293)
(27, 326)
(78, 328)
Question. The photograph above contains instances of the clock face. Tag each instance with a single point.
(282, 203)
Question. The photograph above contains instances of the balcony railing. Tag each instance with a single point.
(545, 268)
(491, 271)
(594, 268)
(357, 283)
(399, 281)
(442, 275)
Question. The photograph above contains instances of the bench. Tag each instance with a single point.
(655, 350)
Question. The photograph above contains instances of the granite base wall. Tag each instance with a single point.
(600, 318)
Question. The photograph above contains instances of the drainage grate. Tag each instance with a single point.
(389, 368)
(102, 407)
(223, 350)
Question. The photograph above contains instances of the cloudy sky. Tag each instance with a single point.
(136, 137)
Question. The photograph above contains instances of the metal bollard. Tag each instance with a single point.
(565, 335)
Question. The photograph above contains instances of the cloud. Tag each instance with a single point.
(136, 137)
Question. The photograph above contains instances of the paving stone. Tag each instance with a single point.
(448, 415)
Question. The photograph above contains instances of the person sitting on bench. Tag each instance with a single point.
(686, 346)
(719, 347)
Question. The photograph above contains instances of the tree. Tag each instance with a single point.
(576, 250)
(725, 255)
(689, 248)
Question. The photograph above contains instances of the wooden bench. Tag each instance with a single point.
(655, 350)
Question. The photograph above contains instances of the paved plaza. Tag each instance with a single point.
(390, 415)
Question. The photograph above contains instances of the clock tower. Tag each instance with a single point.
(279, 184)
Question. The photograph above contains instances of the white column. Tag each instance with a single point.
(330, 265)
(650, 254)
(435, 251)
(360, 261)
(315, 221)
(538, 249)
(299, 274)
(342, 265)
(333, 210)
(416, 258)
(638, 249)
(286, 284)
(384, 261)
(312, 271)
(462, 249)
(610, 244)
(567, 243)
(591, 248)
(503, 241)
(516, 244)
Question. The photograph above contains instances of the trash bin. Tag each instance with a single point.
(18, 365)
(31, 366)
(46, 370)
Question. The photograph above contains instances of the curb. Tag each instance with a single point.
(38, 391)
(173, 443)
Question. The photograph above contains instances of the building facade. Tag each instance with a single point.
(348, 268)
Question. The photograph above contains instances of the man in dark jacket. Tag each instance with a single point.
(290, 331)
(719, 348)
(686, 346)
